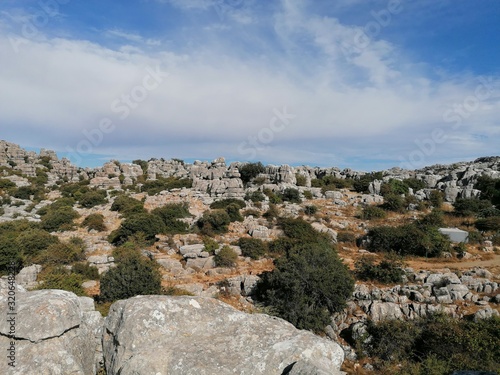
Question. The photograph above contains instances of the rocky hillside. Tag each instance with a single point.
(67, 228)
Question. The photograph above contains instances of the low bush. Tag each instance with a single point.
(272, 213)
(94, 222)
(170, 214)
(59, 219)
(86, 271)
(291, 195)
(256, 196)
(470, 206)
(131, 277)
(61, 278)
(60, 253)
(301, 179)
(386, 272)
(148, 224)
(394, 202)
(251, 212)
(224, 203)
(127, 206)
(308, 284)
(210, 245)
(373, 212)
(489, 224)
(153, 187)
(310, 210)
(31, 242)
(93, 198)
(214, 222)
(346, 237)
(226, 257)
(251, 170)
(252, 247)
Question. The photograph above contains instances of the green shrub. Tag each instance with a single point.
(6, 184)
(256, 196)
(94, 222)
(301, 179)
(470, 206)
(234, 213)
(387, 271)
(61, 202)
(170, 214)
(488, 212)
(127, 206)
(373, 212)
(490, 189)
(273, 197)
(489, 224)
(394, 202)
(433, 219)
(394, 186)
(252, 247)
(272, 213)
(408, 240)
(210, 245)
(61, 278)
(251, 212)
(61, 253)
(9, 253)
(251, 170)
(131, 277)
(281, 246)
(362, 184)
(346, 237)
(33, 241)
(300, 230)
(214, 222)
(307, 286)
(226, 257)
(25, 192)
(93, 198)
(86, 271)
(148, 224)
(224, 203)
(414, 184)
(475, 237)
(308, 194)
(153, 187)
(310, 210)
(59, 219)
(291, 195)
(436, 197)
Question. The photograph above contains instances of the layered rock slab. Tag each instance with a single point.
(56, 333)
(203, 336)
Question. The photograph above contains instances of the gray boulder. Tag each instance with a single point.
(56, 332)
(203, 336)
(28, 275)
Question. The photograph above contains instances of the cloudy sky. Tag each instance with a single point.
(365, 84)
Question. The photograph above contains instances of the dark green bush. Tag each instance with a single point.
(489, 224)
(60, 253)
(86, 271)
(273, 197)
(252, 247)
(214, 222)
(307, 286)
(210, 245)
(6, 184)
(394, 186)
(61, 278)
(437, 344)
(414, 184)
(490, 189)
(93, 198)
(281, 246)
(387, 271)
(301, 179)
(9, 253)
(291, 195)
(393, 202)
(272, 213)
(436, 197)
(33, 241)
(148, 224)
(433, 219)
(373, 212)
(61, 202)
(131, 277)
(300, 230)
(251, 212)
(256, 196)
(224, 203)
(127, 206)
(310, 210)
(226, 257)
(153, 187)
(362, 184)
(251, 170)
(59, 219)
(308, 194)
(408, 240)
(470, 206)
(25, 192)
(94, 222)
(170, 214)
(346, 236)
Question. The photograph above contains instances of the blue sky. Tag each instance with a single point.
(361, 84)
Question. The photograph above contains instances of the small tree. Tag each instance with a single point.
(148, 224)
(307, 286)
(131, 277)
(252, 247)
(250, 171)
(94, 222)
(214, 222)
(226, 257)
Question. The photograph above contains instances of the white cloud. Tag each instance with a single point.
(214, 100)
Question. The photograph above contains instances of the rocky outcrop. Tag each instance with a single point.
(55, 332)
(192, 335)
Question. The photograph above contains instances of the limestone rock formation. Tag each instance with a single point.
(202, 336)
(56, 332)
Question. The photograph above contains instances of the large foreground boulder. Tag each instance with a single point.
(203, 336)
(54, 333)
